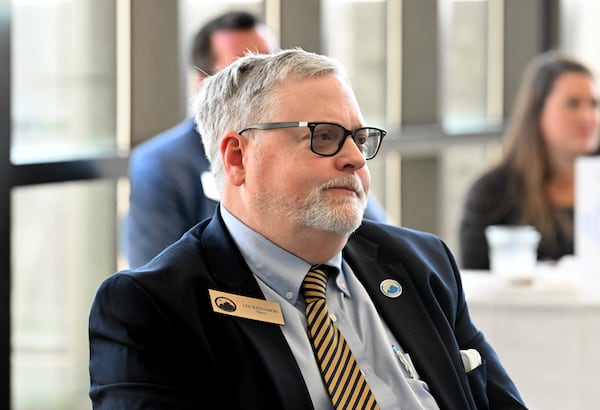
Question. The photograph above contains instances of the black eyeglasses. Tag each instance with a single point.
(327, 138)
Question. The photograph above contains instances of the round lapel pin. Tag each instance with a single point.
(390, 288)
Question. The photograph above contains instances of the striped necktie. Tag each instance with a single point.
(345, 381)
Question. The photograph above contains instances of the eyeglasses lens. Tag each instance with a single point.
(327, 139)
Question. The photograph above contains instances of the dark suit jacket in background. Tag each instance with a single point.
(167, 195)
(155, 342)
(491, 201)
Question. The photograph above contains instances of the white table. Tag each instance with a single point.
(546, 332)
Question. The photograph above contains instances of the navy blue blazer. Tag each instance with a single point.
(168, 194)
(156, 343)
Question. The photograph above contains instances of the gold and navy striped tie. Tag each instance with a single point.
(345, 381)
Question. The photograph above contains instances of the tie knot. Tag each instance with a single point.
(315, 284)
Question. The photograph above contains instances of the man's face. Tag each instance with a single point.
(287, 182)
(227, 45)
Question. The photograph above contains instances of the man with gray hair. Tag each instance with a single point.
(286, 298)
(171, 186)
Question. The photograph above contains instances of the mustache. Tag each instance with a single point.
(348, 181)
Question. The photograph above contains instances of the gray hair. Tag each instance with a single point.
(245, 92)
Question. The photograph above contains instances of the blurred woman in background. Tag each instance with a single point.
(555, 120)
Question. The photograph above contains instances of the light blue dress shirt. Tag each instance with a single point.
(280, 275)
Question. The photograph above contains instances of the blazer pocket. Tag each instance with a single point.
(478, 384)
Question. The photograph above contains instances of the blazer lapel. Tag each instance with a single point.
(231, 274)
(411, 323)
(407, 317)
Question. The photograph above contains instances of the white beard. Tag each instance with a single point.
(341, 215)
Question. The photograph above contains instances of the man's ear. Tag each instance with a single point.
(233, 148)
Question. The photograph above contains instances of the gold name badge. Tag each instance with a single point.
(243, 306)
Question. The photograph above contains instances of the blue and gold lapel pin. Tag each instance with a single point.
(390, 288)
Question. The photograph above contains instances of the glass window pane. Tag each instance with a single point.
(580, 30)
(471, 61)
(63, 79)
(355, 33)
(63, 238)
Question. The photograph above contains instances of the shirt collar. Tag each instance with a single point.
(280, 270)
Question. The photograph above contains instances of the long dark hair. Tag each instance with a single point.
(524, 152)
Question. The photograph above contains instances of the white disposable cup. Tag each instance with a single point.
(512, 248)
